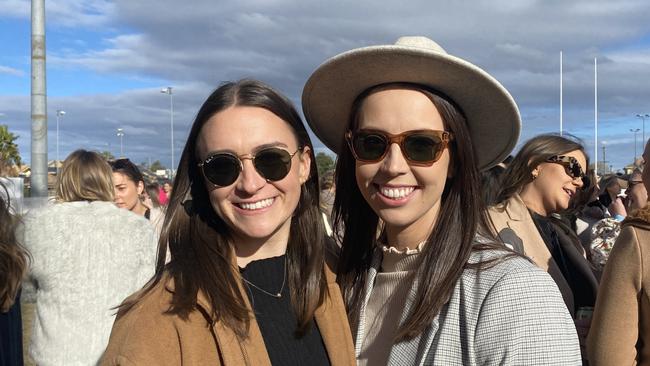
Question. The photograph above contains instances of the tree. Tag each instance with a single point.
(324, 162)
(156, 165)
(107, 155)
(9, 155)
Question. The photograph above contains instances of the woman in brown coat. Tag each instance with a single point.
(247, 283)
(620, 330)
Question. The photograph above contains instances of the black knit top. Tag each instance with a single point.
(276, 318)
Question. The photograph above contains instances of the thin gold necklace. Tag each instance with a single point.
(284, 278)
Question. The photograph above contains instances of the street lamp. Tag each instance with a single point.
(168, 90)
(643, 117)
(635, 132)
(59, 114)
(120, 134)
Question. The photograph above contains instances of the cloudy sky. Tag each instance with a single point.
(108, 60)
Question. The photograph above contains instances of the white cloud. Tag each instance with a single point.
(11, 71)
(67, 13)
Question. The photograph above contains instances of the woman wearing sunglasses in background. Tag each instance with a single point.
(429, 284)
(247, 282)
(541, 181)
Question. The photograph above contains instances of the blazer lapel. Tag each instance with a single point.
(332, 322)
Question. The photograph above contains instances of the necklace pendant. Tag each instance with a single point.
(278, 295)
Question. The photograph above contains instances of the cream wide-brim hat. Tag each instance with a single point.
(491, 112)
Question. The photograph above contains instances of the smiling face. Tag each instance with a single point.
(252, 207)
(405, 197)
(127, 192)
(552, 189)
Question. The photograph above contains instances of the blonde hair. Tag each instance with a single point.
(85, 176)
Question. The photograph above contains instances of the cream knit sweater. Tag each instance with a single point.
(87, 257)
(386, 304)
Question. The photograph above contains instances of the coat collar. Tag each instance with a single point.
(330, 317)
(639, 218)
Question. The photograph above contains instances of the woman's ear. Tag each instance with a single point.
(140, 188)
(535, 173)
(305, 164)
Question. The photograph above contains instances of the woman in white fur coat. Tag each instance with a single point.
(88, 255)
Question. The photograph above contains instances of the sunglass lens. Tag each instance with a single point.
(222, 169)
(369, 146)
(422, 148)
(273, 164)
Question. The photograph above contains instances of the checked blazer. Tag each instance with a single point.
(510, 313)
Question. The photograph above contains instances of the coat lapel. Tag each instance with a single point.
(332, 321)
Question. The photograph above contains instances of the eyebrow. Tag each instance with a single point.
(255, 150)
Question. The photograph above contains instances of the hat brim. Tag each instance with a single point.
(492, 115)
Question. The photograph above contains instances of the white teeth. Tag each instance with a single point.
(396, 193)
(257, 205)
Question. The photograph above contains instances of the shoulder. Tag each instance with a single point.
(505, 275)
(144, 330)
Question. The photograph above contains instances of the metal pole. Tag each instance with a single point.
(59, 113)
(120, 133)
(635, 132)
(604, 160)
(561, 96)
(38, 179)
(595, 116)
(168, 90)
(643, 117)
(171, 109)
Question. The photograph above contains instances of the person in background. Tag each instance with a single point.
(129, 187)
(162, 195)
(605, 231)
(327, 189)
(610, 198)
(156, 210)
(247, 283)
(425, 281)
(14, 260)
(167, 189)
(636, 194)
(540, 182)
(88, 255)
(151, 196)
(620, 331)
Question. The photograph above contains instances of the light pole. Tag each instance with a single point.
(120, 134)
(643, 117)
(168, 90)
(604, 160)
(635, 131)
(59, 114)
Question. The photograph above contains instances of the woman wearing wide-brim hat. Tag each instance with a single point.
(413, 126)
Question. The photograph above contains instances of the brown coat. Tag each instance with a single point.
(147, 336)
(620, 329)
(513, 214)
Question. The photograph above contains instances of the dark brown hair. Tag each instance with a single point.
(126, 167)
(451, 242)
(13, 257)
(200, 241)
(534, 152)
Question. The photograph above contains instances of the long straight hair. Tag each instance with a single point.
(200, 242)
(535, 151)
(451, 242)
(13, 257)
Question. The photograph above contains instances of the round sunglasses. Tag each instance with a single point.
(419, 147)
(223, 169)
(571, 166)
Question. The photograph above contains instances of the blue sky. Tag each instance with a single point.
(107, 61)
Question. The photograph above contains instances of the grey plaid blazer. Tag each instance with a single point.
(509, 314)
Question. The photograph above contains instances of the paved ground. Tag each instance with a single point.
(27, 309)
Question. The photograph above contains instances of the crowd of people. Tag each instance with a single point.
(428, 245)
